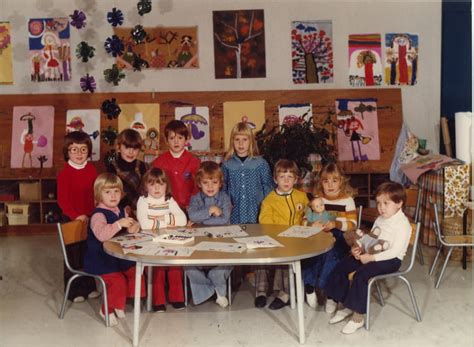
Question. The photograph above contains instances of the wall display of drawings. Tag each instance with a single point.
(365, 60)
(6, 55)
(32, 136)
(87, 121)
(197, 121)
(239, 44)
(401, 59)
(293, 113)
(312, 52)
(250, 112)
(357, 130)
(50, 51)
(163, 47)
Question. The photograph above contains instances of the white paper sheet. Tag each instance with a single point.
(214, 232)
(300, 231)
(259, 242)
(229, 247)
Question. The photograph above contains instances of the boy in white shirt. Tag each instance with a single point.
(396, 229)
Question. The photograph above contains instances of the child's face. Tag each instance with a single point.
(241, 145)
(129, 154)
(317, 205)
(285, 181)
(78, 153)
(156, 189)
(110, 197)
(210, 186)
(386, 207)
(176, 142)
(332, 185)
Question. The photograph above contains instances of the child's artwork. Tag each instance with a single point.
(259, 242)
(224, 231)
(414, 169)
(164, 251)
(32, 136)
(6, 55)
(300, 231)
(229, 247)
(250, 112)
(162, 48)
(357, 129)
(197, 121)
(50, 51)
(401, 59)
(132, 239)
(294, 113)
(365, 60)
(312, 52)
(239, 44)
(87, 121)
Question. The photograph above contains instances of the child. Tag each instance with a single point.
(316, 212)
(106, 221)
(179, 165)
(76, 200)
(396, 229)
(247, 178)
(157, 209)
(128, 167)
(284, 205)
(211, 206)
(337, 196)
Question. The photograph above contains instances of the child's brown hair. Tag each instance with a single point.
(332, 169)
(395, 192)
(106, 180)
(242, 128)
(153, 176)
(79, 137)
(209, 169)
(130, 138)
(177, 127)
(285, 165)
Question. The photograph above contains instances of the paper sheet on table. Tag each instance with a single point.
(300, 231)
(259, 242)
(132, 239)
(214, 232)
(153, 249)
(230, 247)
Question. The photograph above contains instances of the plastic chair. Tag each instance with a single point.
(69, 233)
(229, 288)
(415, 229)
(449, 241)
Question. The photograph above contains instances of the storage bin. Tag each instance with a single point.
(30, 191)
(17, 219)
(17, 209)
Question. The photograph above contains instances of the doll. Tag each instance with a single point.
(369, 242)
(316, 212)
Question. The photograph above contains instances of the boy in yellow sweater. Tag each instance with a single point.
(284, 205)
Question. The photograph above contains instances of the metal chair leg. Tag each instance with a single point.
(420, 254)
(367, 313)
(413, 299)
(229, 288)
(444, 267)
(435, 260)
(185, 284)
(66, 294)
(379, 292)
(104, 296)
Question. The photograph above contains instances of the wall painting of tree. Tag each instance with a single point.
(401, 59)
(365, 60)
(312, 52)
(239, 44)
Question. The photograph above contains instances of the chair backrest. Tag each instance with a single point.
(69, 233)
(414, 238)
(359, 216)
(414, 200)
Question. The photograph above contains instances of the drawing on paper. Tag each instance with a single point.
(401, 59)
(365, 63)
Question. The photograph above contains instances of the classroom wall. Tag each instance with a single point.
(421, 105)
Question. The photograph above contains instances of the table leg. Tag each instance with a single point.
(149, 288)
(291, 279)
(299, 301)
(136, 305)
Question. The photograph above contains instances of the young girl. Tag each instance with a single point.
(157, 209)
(247, 177)
(128, 167)
(396, 229)
(106, 221)
(76, 200)
(211, 206)
(337, 197)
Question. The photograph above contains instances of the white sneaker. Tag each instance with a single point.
(340, 316)
(222, 301)
(78, 299)
(331, 306)
(112, 320)
(311, 299)
(351, 327)
(119, 313)
(93, 295)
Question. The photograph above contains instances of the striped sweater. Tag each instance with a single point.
(159, 213)
(343, 207)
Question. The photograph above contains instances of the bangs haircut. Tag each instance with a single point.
(177, 127)
(209, 169)
(242, 129)
(285, 165)
(79, 137)
(106, 180)
(130, 139)
(395, 192)
(152, 176)
(333, 170)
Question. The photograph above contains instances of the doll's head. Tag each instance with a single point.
(317, 204)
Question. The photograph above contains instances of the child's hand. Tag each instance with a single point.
(317, 224)
(126, 222)
(134, 228)
(366, 258)
(356, 252)
(189, 223)
(329, 226)
(215, 211)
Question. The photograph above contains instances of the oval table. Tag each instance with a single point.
(294, 250)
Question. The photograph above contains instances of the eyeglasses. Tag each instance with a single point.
(76, 150)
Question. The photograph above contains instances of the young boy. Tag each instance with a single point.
(396, 229)
(284, 205)
(179, 165)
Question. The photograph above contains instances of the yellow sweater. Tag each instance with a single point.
(283, 209)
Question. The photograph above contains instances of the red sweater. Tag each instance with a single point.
(76, 190)
(180, 172)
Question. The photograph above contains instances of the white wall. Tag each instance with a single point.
(421, 103)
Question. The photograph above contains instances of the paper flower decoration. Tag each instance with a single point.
(115, 17)
(113, 45)
(114, 75)
(84, 51)
(109, 135)
(111, 109)
(88, 83)
(143, 7)
(78, 19)
(138, 34)
(138, 63)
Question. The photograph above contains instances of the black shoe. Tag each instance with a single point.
(260, 301)
(159, 308)
(178, 305)
(309, 289)
(277, 304)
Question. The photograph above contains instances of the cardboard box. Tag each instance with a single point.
(30, 191)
